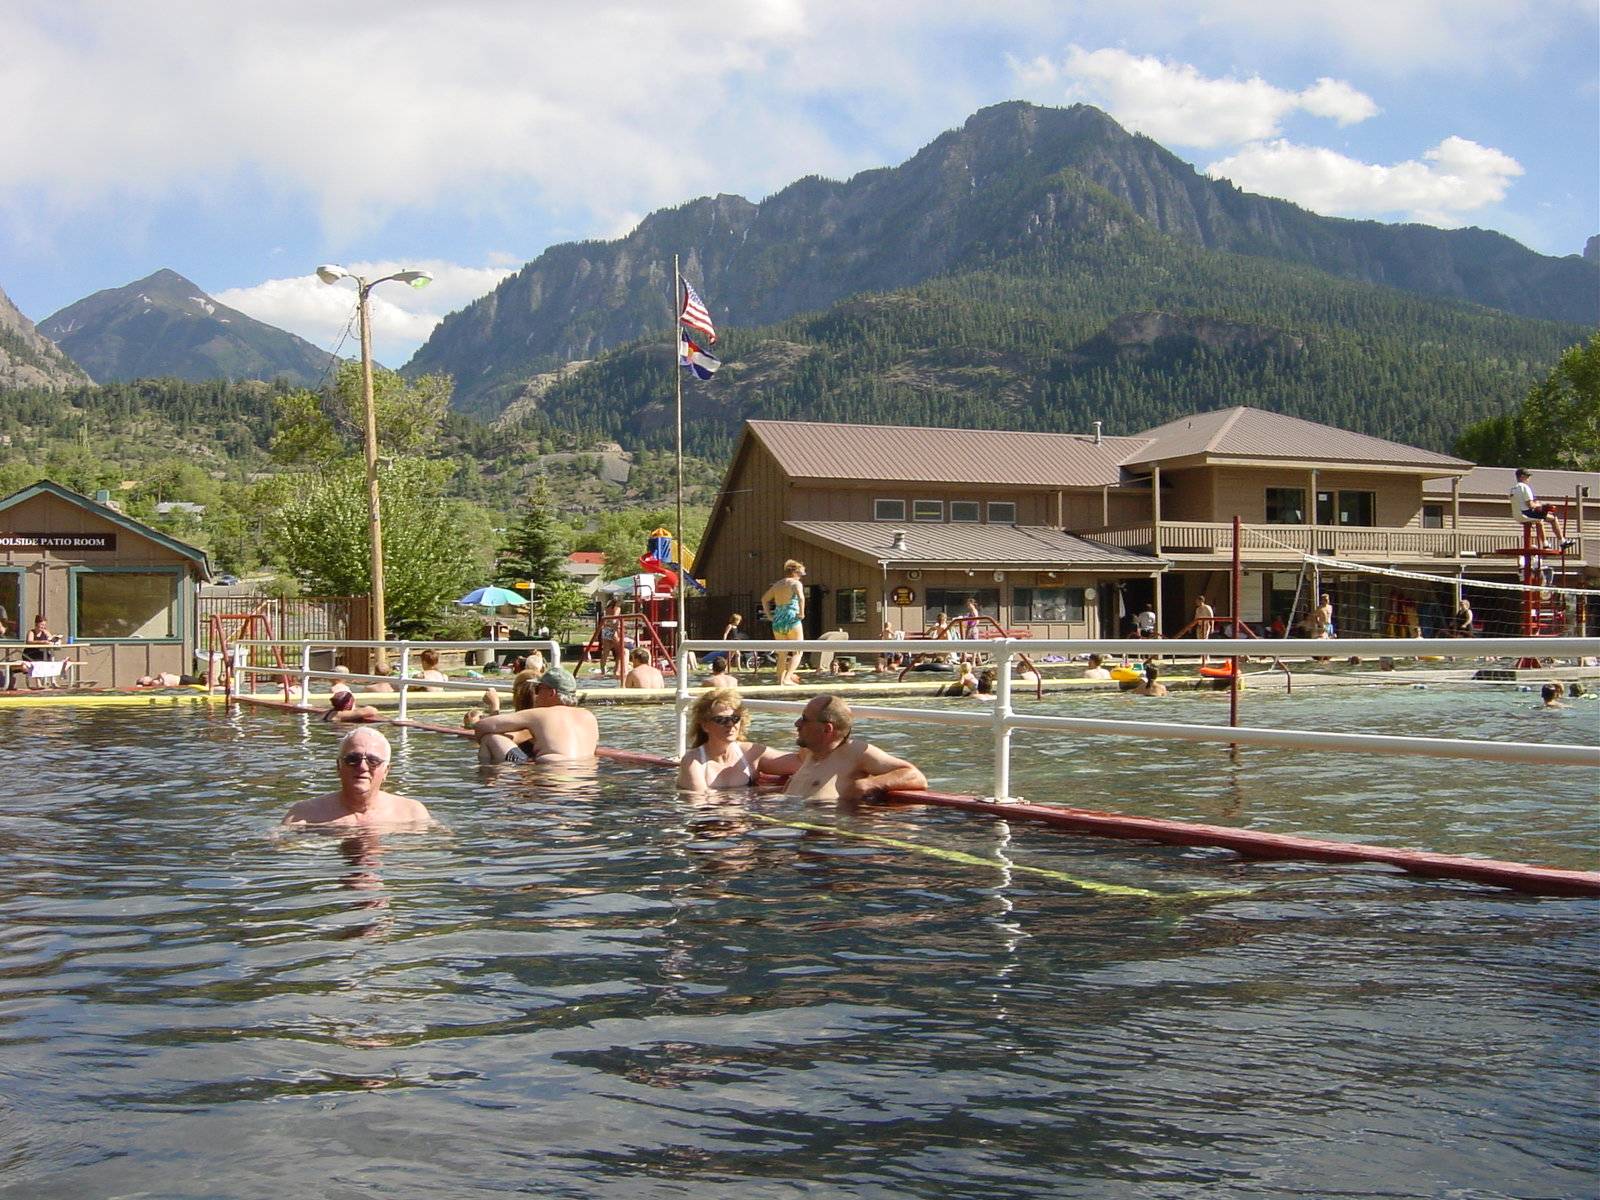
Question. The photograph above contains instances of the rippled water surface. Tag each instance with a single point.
(586, 986)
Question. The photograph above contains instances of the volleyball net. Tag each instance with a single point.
(1361, 600)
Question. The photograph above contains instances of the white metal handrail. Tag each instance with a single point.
(1002, 719)
(402, 679)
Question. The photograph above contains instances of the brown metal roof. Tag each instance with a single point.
(911, 454)
(1497, 481)
(989, 546)
(1253, 433)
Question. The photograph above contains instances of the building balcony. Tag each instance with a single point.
(1288, 543)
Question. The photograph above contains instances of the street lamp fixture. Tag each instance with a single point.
(330, 273)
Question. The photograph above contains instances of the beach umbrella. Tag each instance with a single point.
(493, 597)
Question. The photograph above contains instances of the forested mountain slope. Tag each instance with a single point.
(1042, 190)
(1133, 331)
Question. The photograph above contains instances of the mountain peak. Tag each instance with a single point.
(166, 325)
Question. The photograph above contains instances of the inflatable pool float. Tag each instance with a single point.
(1126, 674)
(1226, 671)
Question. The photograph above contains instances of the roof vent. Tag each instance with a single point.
(102, 496)
(1097, 433)
(898, 542)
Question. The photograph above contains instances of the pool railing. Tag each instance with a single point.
(1001, 719)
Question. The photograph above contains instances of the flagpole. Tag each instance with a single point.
(677, 380)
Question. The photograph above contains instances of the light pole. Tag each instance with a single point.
(329, 273)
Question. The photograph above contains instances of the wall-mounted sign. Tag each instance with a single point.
(58, 541)
(902, 596)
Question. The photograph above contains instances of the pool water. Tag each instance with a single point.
(585, 985)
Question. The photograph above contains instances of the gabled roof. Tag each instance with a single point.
(1023, 547)
(1549, 486)
(46, 488)
(1253, 433)
(914, 454)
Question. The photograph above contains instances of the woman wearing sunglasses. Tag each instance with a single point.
(719, 756)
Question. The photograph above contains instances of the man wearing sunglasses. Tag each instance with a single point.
(834, 766)
(360, 800)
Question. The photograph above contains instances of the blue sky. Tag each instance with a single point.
(242, 144)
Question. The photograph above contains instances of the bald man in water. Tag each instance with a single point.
(360, 801)
(834, 766)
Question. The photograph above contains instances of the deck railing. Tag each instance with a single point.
(1293, 541)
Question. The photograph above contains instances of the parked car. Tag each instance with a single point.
(227, 580)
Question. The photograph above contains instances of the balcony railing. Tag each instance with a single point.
(1292, 541)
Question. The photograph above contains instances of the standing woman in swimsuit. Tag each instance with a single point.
(784, 604)
(718, 756)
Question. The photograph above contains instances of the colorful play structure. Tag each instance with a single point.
(643, 608)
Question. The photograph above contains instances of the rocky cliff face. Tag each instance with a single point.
(165, 326)
(1015, 179)
(28, 359)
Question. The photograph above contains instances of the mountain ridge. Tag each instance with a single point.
(167, 326)
(28, 358)
(1011, 177)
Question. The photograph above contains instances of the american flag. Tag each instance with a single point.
(695, 315)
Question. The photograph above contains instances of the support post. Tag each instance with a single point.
(405, 670)
(1002, 723)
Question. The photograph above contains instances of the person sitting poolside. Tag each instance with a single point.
(360, 799)
(1096, 668)
(719, 677)
(642, 673)
(719, 755)
(551, 726)
(834, 766)
(342, 707)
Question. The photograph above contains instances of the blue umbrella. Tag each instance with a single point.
(493, 597)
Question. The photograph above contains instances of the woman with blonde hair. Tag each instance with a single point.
(784, 604)
(719, 756)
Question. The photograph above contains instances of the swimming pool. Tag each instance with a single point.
(589, 986)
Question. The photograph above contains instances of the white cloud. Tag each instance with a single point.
(1454, 178)
(1177, 105)
(402, 317)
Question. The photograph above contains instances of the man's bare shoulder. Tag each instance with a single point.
(318, 810)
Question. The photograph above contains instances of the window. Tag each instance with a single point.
(850, 606)
(12, 621)
(1347, 508)
(1002, 512)
(1433, 516)
(1047, 604)
(1286, 506)
(927, 510)
(888, 510)
(965, 512)
(952, 602)
(141, 605)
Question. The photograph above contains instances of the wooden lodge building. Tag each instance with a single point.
(1067, 535)
(120, 594)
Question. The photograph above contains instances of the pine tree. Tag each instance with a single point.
(535, 549)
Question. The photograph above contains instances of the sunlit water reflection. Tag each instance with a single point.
(584, 985)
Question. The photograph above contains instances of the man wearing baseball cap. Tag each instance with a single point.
(1530, 510)
(547, 726)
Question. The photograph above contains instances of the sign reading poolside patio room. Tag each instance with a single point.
(58, 541)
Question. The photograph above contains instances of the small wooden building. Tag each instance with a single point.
(120, 594)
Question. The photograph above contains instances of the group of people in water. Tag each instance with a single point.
(547, 725)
